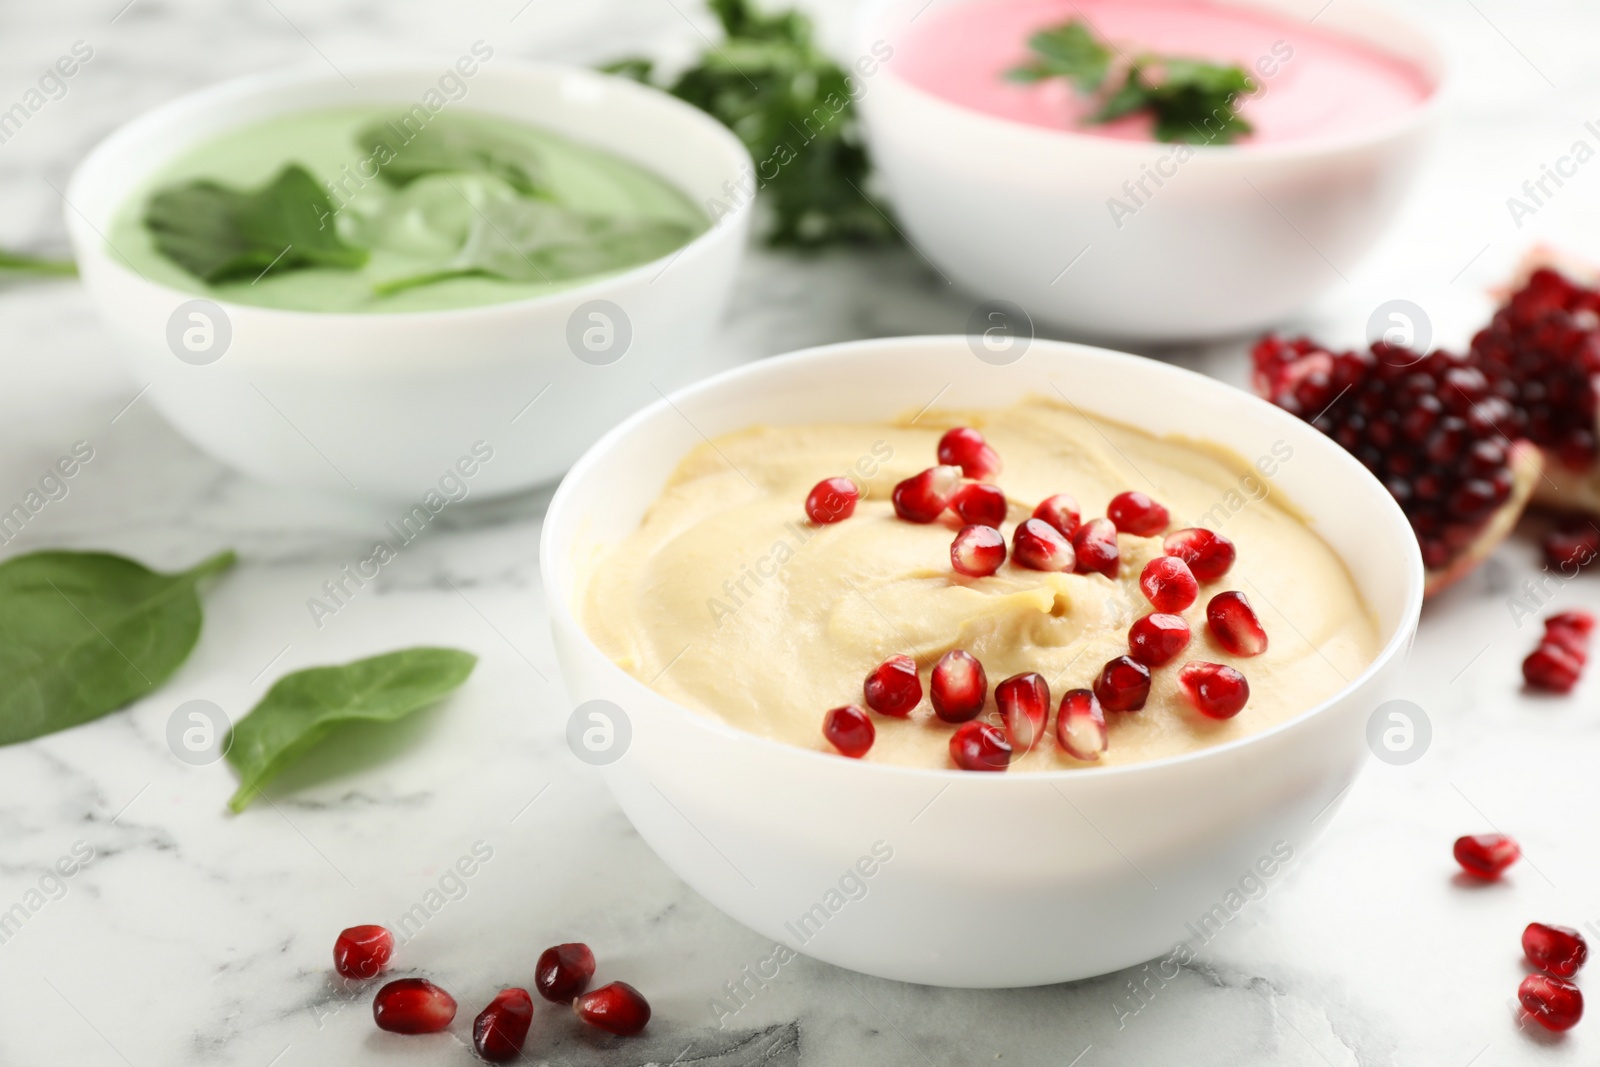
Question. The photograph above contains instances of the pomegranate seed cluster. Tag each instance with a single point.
(1550, 998)
(1544, 343)
(1054, 538)
(1554, 667)
(1433, 429)
(418, 1006)
(1444, 432)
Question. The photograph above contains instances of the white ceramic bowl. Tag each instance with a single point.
(994, 880)
(386, 404)
(1234, 240)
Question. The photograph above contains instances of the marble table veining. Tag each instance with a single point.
(185, 936)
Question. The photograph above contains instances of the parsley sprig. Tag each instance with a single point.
(792, 107)
(1189, 100)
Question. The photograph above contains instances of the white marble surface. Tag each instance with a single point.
(195, 937)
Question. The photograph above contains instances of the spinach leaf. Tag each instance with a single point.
(219, 233)
(793, 108)
(302, 708)
(85, 633)
(536, 241)
(24, 263)
(1066, 51)
(450, 144)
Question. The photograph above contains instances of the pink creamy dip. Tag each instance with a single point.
(1310, 82)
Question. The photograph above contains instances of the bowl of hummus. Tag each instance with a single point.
(724, 629)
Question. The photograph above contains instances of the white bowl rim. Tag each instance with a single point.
(560, 609)
(280, 78)
(1412, 119)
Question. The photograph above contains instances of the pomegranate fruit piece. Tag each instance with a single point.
(1569, 551)
(563, 971)
(1168, 584)
(1234, 624)
(1440, 431)
(1095, 545)
(921, 497)
(1156, 638)
(1486, 855)
(977, 551)
(1123, 685)
(1039, 546)
(978, 746)
(965, 447)
(832, 500)
(979, 504)
(894, 688)
(1208, 554)
(1555, 1003)
(1135, 513)
(849, 730)
(1081, 725)
(500, 1029)
(617, 1008)
(1215, 690)
(958, 687)
(1557, 950)
(362, 951)
(1024, 701)
(1060, 511)
(1543, 349)
(413, 1006)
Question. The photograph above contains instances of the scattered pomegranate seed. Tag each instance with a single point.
(362, 951)
(1557, 950)
(502, 1027)
(1168, 584)
(980, 504)
(1037, 545)
(978, 551)
(1024, 701)
(413, 1006)
(1486, 855)
(921, 497)
(832, 500)
(1095, 544)
(1234, 624)
(1555, 1003)
(1569, 551)
(958, 687)
(1580, 621)
(1081, 725)
(617, 1008)
(894, 688)
(1551, 668)
(563, 971)
(1135, 513)
(977, 746)
(1123, 685)
(1157, 638)
(1208, 554)
(849, 730)
(1217, 692)
(1060, 511)
(966, 448)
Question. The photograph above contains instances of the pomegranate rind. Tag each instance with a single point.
(1528, 471)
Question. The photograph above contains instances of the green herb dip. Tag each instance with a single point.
(501, 211)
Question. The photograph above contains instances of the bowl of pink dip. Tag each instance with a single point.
(1019, 190)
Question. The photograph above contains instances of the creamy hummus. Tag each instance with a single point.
(729, 601)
